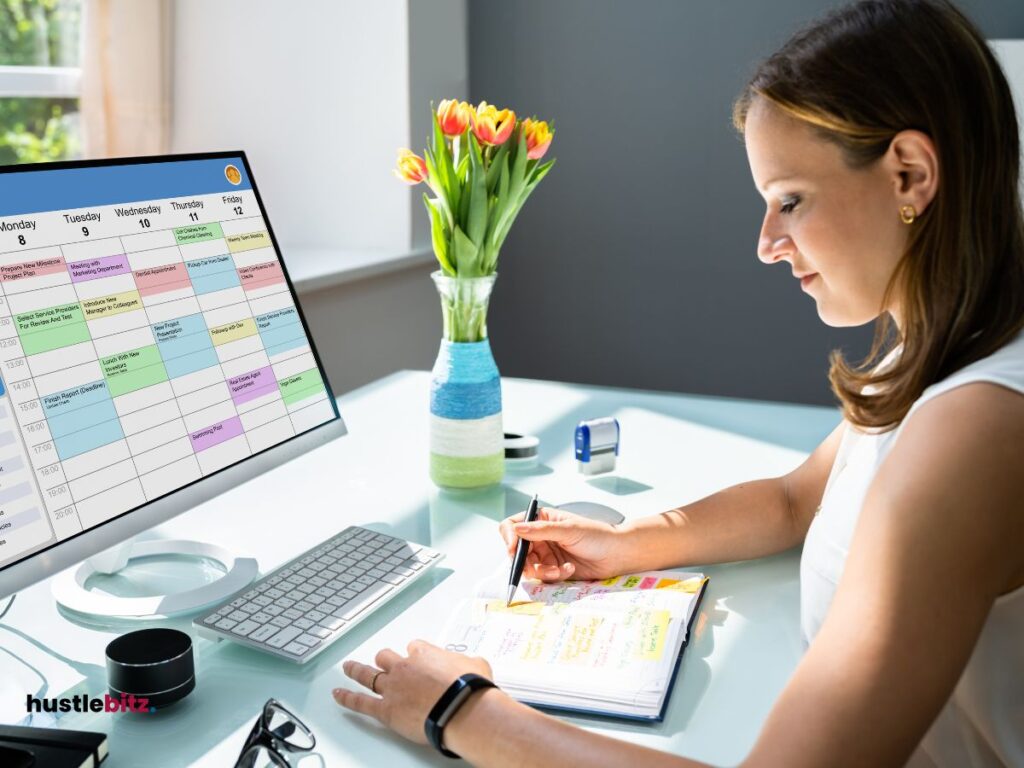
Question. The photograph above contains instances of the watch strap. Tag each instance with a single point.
(446, 707)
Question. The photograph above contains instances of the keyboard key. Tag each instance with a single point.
(280, 622)
(393, 578)
(284, 637)
(238, 602)
(298, 649)
(238, 616)
(262, 601)
(225, 624)
(273, 610)
(263, 633)
(292, 614)
(332, 623)
(303, 623)
(365, 600)
(273, 593)
(315, 615)
(311, 640)
(250, 594)
(244, 628)
(212, 619)
(321, 632)
(303, 606)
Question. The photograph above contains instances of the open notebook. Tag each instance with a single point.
(607, 647)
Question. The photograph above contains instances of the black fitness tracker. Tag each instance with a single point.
(446, 707)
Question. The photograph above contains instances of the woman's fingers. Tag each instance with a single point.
(386, 659)
(359, 702)
(361, 673)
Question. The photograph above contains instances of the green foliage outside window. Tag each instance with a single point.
(41, 33)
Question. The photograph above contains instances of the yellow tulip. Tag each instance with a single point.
(538, 138)
(492, 126)
(411, 169)
(454, 116)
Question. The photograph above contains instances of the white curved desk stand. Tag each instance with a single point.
(69, 586)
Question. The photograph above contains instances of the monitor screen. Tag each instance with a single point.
(149, 337)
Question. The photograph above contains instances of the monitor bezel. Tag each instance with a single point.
(39, 564)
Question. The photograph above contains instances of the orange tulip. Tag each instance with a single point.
(454, 117)
(492, 126)
(411, 169)
(538, 138)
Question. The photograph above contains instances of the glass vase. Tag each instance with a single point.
(466, 437)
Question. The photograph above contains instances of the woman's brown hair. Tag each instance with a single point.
(860, 75)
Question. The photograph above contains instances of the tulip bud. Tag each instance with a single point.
(453, 116)
(538, 138)
(492, 126)
(411, 169)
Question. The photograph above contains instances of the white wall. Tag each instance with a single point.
(317, 94)
(320, 94)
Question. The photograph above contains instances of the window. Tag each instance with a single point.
(40, 79)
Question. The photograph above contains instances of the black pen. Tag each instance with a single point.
(522, 548)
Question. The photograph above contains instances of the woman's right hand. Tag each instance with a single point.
(565, 546)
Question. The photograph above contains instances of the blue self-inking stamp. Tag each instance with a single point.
(597, 445)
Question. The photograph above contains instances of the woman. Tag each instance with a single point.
(884, 142)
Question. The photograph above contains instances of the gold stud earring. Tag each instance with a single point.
(907, 214)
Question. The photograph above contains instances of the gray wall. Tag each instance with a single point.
(634, 263)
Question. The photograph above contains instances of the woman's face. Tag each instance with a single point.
(838, 228)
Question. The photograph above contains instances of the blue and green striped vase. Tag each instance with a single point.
(466, 437)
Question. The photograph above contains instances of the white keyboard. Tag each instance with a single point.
(305, 605)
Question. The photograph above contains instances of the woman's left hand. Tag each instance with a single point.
(407, 687)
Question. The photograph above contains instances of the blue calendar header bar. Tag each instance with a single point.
(61, 189)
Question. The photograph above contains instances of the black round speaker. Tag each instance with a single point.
(155, 664)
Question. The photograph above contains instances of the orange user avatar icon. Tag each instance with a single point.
(233, 174)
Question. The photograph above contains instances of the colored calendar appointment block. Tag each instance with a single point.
(247, 242)
(129, 371)
(301, 385)
(281, 330)
(91, 269)
(169, 277)
(239, 329)
(52, 328)
(38, 268)
(106, 306)
(217, 433)
(260, 275)
(197, 233)
(215, 273)
(185, 345)
(253, 384)
(81, 419)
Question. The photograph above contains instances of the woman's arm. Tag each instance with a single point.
(745, 521)
(938, 539)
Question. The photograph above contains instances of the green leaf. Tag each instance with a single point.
(495, 167)
(501, 201)
(467, 254)
(438, 235)
(476, 222)
(443, 163)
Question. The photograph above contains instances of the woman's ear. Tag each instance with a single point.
(914, 165)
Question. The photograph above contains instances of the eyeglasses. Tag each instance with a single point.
(275, 732)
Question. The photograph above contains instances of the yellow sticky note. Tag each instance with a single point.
(610, 582)
(653, 629)
(687, 585)
(523, 608)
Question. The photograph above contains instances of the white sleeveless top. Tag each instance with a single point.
(982, 724)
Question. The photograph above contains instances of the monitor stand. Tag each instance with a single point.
(70, 592)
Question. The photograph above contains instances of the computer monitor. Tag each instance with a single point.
(153, 352)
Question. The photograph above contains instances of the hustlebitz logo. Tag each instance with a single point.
(83, 702)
